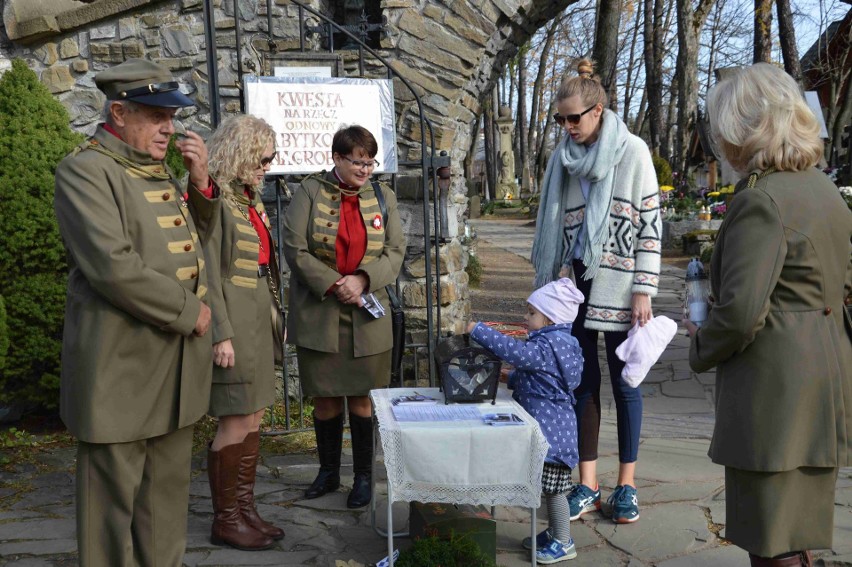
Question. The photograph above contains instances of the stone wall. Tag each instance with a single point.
(451, 53)
(673, 231)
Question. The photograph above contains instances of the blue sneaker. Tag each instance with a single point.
(542, 540)
(582, 499)
(555, 552)
(625, 505)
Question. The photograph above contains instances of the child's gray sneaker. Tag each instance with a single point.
(541, 540)
(555, 552)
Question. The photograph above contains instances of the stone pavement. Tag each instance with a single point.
(681, 493)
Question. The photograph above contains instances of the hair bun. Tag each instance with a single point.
(585, 68)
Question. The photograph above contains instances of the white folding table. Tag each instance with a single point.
(458, 462)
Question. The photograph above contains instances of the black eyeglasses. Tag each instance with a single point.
(361, 164)
(571, 118)
(264, 161)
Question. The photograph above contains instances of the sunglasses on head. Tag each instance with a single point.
(264, 161)
(571, 118)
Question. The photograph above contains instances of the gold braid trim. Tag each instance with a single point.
(129, 164)
(756, 176)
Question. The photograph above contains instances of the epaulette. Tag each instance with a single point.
(84, 145)
(156, 172)
(318, 178)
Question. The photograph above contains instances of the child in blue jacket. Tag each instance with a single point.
(547, 370)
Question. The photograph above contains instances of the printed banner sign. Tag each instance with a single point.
(305, 113)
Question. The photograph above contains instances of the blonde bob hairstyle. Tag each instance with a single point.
(236, 148)
(586, 85)
(759, 118)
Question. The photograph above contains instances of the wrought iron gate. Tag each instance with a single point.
(325, 31)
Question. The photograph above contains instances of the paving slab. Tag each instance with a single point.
(663, 530)
(722, 556)
(676, 460)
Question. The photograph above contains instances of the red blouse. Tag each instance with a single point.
(262, 233)
(351, 243)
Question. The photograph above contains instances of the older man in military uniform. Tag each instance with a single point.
(136, 356)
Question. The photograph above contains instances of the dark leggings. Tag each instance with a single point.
(628, 401)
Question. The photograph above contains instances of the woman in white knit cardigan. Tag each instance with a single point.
(599, 218)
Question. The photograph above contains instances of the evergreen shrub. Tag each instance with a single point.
(456, 551)
(474, 271)
(34, 137)
(663, 170)
(4, 334)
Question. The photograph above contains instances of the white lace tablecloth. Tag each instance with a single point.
(465, 462)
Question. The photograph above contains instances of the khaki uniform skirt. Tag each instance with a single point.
(247, 388)
(335, 374)
(773, 513)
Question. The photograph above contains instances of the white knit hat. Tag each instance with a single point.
(558, 301)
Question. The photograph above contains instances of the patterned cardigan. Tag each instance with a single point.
(630, 262)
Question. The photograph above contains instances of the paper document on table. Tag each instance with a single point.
(437, 412)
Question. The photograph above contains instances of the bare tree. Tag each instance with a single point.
(653, 52)
(538, 86)
(671, 115)
(605, 51)
(488, 126)
(522, 159)
(470, 156)
(787, 35)
(634, 62)
(762, 31)
(689, 25)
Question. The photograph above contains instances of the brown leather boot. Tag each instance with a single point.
(245, 488)
(793, 559)
(229, 526)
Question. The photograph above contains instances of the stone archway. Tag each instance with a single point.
(453, 54)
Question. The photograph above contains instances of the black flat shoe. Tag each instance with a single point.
(325, 482)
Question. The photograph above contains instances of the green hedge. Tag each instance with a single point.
(4, 334)
(663, 170)
(34, 137)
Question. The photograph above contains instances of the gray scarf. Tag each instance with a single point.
(597, 164)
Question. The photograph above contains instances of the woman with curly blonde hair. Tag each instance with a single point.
(778, 333)
(246, 327)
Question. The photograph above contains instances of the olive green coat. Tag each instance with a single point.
(232, 251)
(131, 366)
(310, 229)
(778, 333)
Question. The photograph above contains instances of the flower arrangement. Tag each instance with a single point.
(719, 209)
(846, 193)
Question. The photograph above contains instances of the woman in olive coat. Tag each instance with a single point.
(778, 333)
(246, 328)
(338, 246)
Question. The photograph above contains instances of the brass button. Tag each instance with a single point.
(827, 311)
(325, 239)
(193, 275)
(329, 225)
(178, 222)
(334, 197)
(188, 247)
(166, 196)
(332, 212)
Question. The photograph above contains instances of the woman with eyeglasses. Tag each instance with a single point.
(340, 244)
(599, 220)
(248, 332)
